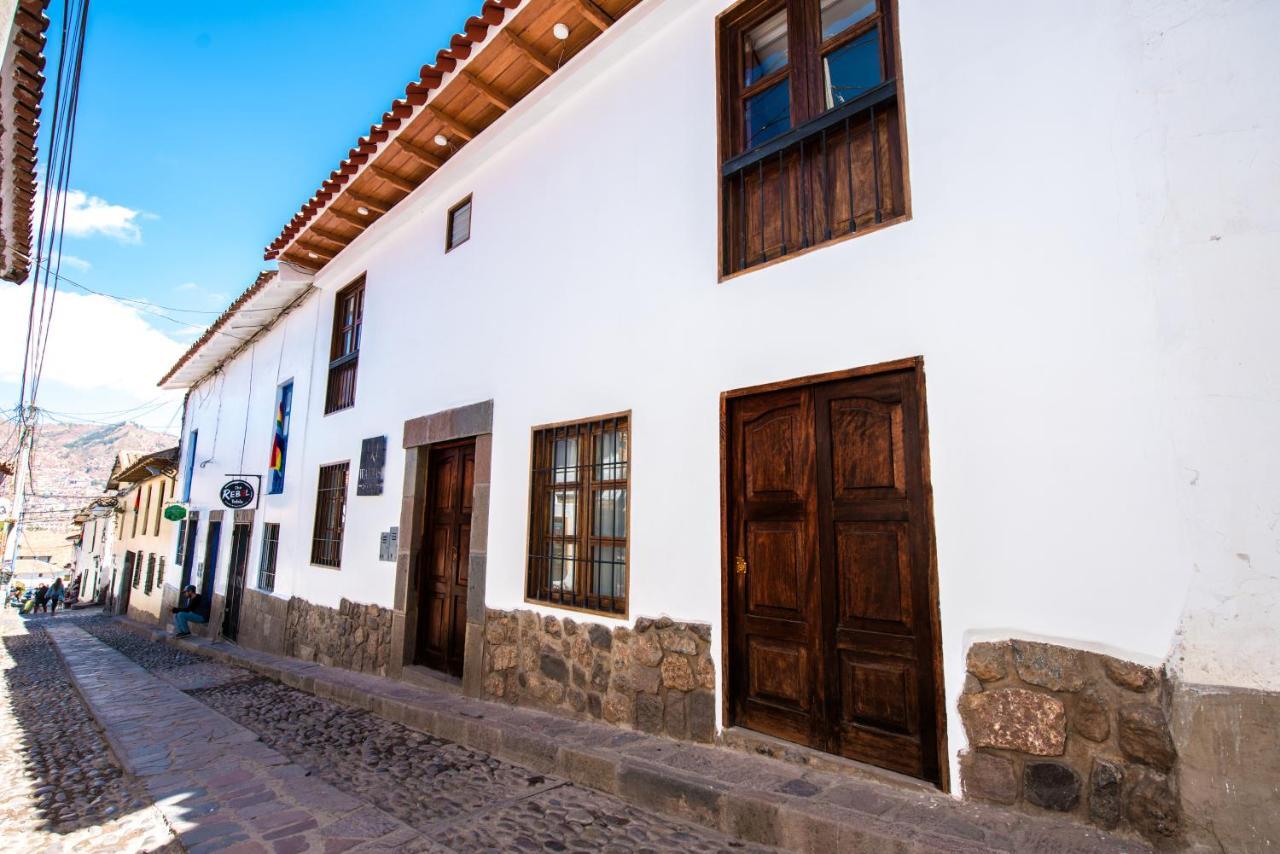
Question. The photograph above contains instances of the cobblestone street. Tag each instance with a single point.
(60, 788)
(66, 792)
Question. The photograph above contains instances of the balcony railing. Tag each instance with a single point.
(832, 176)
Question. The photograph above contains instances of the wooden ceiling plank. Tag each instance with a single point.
(530, 52)
(500, 100)
(310, 249)
(393, 178)
(453, 124)
(349, 219)
(593, 13)
(331, 236)
(419, 153)
(375, 205)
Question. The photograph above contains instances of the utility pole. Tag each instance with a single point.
(26, 421)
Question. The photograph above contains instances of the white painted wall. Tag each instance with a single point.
(147, 539)
(1087, 274)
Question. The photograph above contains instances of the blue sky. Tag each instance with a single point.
(203, 127)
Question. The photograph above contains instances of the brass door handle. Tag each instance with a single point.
(740, 565)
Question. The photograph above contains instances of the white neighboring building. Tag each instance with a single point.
(626, 368)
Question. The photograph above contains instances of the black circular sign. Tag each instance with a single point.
(237, 494)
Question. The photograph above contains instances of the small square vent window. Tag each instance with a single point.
(459, 224)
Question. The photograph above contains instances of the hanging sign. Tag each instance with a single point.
(238, 494)
(175, 512)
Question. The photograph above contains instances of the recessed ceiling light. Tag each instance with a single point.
(441, 140)
(312, 255)
(560, 31)
(362, 210)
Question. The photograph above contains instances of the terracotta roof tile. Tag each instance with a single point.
(249, 293)
(475, 30)
(24, 79)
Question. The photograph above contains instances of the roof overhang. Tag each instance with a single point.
(21, 90)
(501, 56)
(256, 310)
(159, 464)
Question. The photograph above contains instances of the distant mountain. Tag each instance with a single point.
(71, 465)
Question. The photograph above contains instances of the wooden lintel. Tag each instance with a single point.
(531, 53)
(394, 179)
(420, 154)
(593, 13)
(310, 248)
(498, 99)
(349, 219)
(375, 205)
(453, 124)
(331, 236)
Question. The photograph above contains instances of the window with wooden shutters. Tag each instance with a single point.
(331, 515)
(151, 574)
(344, 353)
(578, 523)
(459, 230)
(267, 563)
(160, 572)
(812, 148)
(160, 508)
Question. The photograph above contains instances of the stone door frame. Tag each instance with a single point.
(464, 422)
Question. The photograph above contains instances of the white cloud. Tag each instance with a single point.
(98, 348)
(89, 215)
(188, 286)
(75, 263)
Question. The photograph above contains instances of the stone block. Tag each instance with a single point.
(678, 639)
(675, 722)
(1130, 676)
(1145, 738)
(503, 656)
(988, 661)
(677, 674)
(646, 649)
(706, 674)
(618, 708)
(663, 790)
(553, 667)
(1051, 785)
(1091, 715)
(638, 680)
(530, 749)
(1106, 780)
(649, 713)
(1057, 668)
(580, 651)
(1153, 809)
(753, 818)
(551, 626)
(1015, 719)
(988, 777)
(587, 768)
(701, 713)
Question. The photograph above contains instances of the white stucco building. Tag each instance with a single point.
(1061, 243)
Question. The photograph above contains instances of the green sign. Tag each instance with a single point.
(175, 512)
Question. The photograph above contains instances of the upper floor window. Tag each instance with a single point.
(280, 439)
(578, 515)
(344, 353)
(810, 137)
(459, 230)
(267, 560)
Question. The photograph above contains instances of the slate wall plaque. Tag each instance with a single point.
(373, 459)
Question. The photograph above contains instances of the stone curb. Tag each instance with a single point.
(587, 754)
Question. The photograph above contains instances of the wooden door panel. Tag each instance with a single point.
(776, 559)
(878, 693)
(443, 560)
(779, 673)
(873, 568)
(774, 454)
(867, 450)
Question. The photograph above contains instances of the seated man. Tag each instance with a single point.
(190, 610)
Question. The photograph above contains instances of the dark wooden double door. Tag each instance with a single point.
(831, 616)
(443, 557)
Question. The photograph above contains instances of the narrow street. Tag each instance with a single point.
(68, 793)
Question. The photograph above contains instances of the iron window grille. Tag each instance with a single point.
(578, 525)
(181, 551)
(344, 353)
(459, 229)
(131, 563)
(160, 573)
(151, 574)
(267, 563)
(331, 515)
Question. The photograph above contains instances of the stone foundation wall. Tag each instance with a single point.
(355, 636)
(1055, 728)
(263, 621)
(657, 677)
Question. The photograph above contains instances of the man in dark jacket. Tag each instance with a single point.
(190, 610)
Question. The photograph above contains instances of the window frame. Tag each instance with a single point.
(806, 52)
(194, 438)
(160, 508)
(332, 493)
(340, 354)
(539, 538)
(449, 243)
(284, 434)
(271, 547)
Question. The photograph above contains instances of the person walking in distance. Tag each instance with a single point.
(55, 595)
(191, 609)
